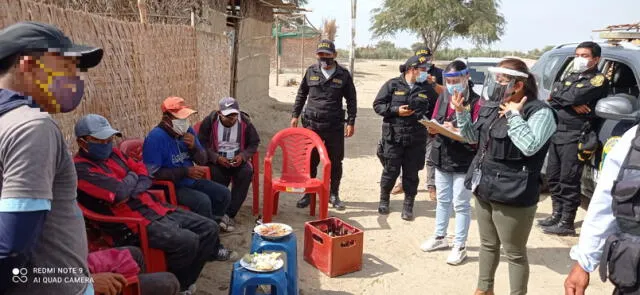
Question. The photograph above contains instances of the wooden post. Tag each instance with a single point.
(304, 21)
(352, 52)
(142, 9)
(277, 53)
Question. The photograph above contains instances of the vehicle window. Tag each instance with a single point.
(549, 70)
(478, 71)
(622, 78)
(566, 71)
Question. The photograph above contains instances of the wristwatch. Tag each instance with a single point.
(511, 113)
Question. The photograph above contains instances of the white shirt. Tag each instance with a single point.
(327, 73)
(599, 222)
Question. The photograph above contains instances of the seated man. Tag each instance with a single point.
(171, 152)
(110, 183)
(230, 140)
(109, 269)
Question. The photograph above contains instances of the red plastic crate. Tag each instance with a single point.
(333, 255)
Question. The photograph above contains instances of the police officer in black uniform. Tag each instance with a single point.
(402, 101)
(610, 234)
(323, 87)
(574, 98)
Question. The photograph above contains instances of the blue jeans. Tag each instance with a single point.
(450, 189)
(205, 197)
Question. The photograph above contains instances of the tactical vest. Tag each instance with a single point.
(447, 154)
(508, 176)
(621, 254)
(406, 131)
(323, 111)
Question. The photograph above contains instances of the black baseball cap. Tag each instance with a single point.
(326, 46)
(33, 36)
(416, 62)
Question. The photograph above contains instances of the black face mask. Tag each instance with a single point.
(326, 61)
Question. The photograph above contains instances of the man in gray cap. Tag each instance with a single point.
(40, 223)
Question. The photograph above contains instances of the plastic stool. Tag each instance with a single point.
(286, 245)
(246, 282)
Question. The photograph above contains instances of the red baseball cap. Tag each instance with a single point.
(176, 106)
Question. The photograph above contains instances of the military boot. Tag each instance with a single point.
(383, 207)
(407, 210)
(564, 227)
(556, 214)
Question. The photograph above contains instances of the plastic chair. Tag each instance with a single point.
(297, 145)
(153, 258)
(246, 282)
(133, 148)
(255, 182)
(286, 245)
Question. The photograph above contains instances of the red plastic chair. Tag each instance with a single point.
(153, 258)
(255, 182)
(133, 149)
(297, 145)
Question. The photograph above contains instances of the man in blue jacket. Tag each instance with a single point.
(173, 152)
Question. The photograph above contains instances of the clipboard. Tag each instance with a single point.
(443, 130)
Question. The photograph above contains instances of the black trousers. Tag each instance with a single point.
(241, 177)
(564, 171)
(334, 142)
(409, 160)
(188, 240)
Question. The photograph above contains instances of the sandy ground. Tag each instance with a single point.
(392, 260)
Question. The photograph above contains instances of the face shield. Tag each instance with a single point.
(456, 82)
(499, 83)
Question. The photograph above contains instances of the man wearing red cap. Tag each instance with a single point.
(171, 151)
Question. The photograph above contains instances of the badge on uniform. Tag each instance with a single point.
(567, 83)
(597, 81)
(422, 95)
(400, 92)
(579, 85)
(337, 81)
(314, 78)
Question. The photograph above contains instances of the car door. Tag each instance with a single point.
(547, 71)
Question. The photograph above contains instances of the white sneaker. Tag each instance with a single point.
(227, 224)
(457, 255)
(433, 244)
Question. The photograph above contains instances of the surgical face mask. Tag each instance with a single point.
(326, 61)
(580, 64)
(180, 125)
(452, 88)
(99, 151)
(64, 92)
(422, 77)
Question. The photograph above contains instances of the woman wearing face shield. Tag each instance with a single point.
(512, 134)
(402, 101)
(452, 160)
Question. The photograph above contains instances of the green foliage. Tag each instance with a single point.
(387, 50)
(436, 22)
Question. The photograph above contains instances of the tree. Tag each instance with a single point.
(436, 22)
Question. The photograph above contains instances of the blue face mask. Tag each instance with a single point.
(455, 87)
(422, 77)
(100, 151)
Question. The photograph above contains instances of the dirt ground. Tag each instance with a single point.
(392, 260)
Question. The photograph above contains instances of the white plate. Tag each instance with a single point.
(279, 265)
(285, 226)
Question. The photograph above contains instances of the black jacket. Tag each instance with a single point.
(249, 138)
(324, 99)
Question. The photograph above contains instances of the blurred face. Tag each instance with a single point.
(229, 120)
(587, 54)
(52, 80)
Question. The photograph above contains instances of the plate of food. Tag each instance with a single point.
(262, 262)
(273, 231)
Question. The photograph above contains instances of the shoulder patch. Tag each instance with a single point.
(597, 81)
(399, 92)
(314, 78)
(422, 95)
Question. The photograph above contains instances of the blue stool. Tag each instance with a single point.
(245, 282)
(286, 245)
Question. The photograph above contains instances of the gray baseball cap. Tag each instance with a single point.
(33, 36)
(229, 105)
(95, 126)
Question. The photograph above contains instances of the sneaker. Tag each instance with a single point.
(229, 223)
(335, 201)
(434, 243)
(224, 254)
(457, 255)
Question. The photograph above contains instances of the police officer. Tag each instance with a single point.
(610, 232)
(323, 87)
(402, 101)
(435, 80)
(573, 99)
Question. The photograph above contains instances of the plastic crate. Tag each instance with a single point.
(333, 255)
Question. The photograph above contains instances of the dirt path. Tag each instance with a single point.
(393, 263)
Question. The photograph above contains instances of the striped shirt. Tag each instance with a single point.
(529, 136)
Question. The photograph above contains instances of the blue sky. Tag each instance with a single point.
(530, 23)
